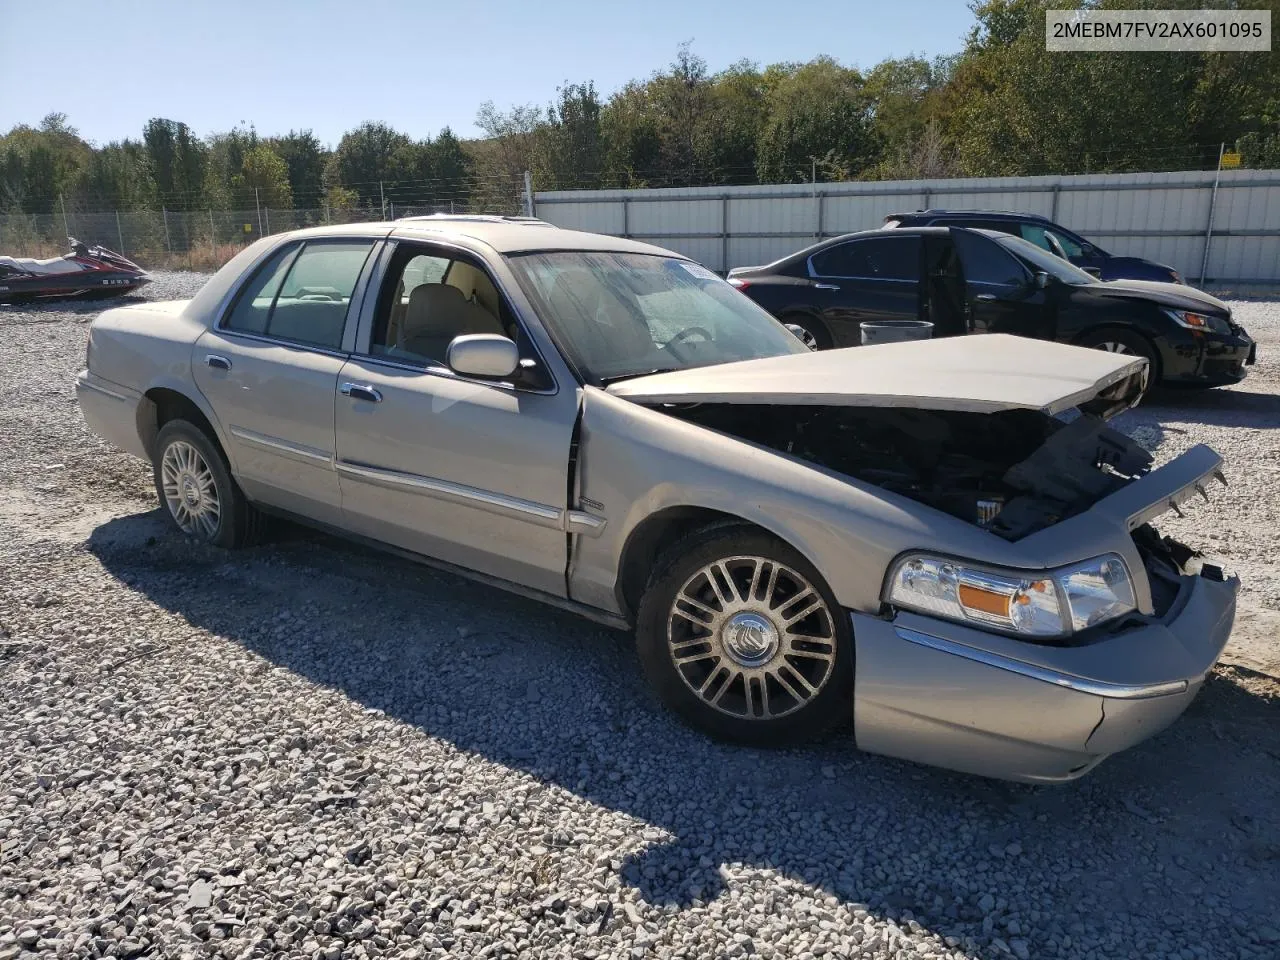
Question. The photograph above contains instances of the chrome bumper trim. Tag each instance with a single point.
(1097, 688)
(83, 380)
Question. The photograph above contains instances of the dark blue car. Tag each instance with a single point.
(1046, 234)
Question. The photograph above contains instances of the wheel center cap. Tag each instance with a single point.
(750, 639)
(190, 492)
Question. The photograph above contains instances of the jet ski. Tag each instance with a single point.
(86, 271)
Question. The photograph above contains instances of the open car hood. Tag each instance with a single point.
(982, 374)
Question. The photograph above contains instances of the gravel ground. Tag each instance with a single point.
(307, 749)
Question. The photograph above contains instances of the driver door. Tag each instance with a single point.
(468, 471)
(1000, 293)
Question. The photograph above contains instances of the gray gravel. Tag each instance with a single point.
(307, 749)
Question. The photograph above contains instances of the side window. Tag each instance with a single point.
(886, 258)
(302, 293)
(428, 298)
(253, 305)
(311, 307)
(985, 261)
(1036, 234)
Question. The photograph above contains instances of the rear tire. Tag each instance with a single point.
(196, 489)
(741, 638)
(816, 335)
(1118, 340)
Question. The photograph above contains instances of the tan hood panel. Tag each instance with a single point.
(983, 374)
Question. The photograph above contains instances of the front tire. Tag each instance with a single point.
(196, 490)
(815, 335)
(1125, 342)
(741, 638)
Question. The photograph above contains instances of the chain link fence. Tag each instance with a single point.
(194, 239)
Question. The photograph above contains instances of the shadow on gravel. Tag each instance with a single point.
(1168, 832)
(1219, 408)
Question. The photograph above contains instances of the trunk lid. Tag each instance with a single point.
(979, 374)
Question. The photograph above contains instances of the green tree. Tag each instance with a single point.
(629, 129)
(818, 113)
(452, 169)
(176, 163)
(41, 166)
(224, 165)
(736, 118)
(571, 143)
(368, 158)
(305, 157)
(682, 101)
(265, 176)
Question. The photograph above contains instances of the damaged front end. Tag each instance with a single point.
(1013, 472)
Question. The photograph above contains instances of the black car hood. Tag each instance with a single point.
(1177, 296)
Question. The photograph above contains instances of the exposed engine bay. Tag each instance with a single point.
(1013, 472)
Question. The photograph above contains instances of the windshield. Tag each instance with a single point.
(624, 314)
(1043, 260)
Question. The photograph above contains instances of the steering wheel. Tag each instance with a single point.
(688, 332)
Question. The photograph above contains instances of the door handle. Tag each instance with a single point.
(217, 362)
(986, 298)
(825, 286)
(362, 391)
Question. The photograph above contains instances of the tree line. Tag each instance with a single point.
(1002, 106)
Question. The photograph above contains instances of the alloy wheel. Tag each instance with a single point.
(751, 637)
(189, 490)
(1112, 346)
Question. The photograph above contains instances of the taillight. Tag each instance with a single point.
(739, 283)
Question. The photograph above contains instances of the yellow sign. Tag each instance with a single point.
(248, 228)
(1230, 160)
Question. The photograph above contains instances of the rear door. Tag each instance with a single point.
(1000, 295)
(269, 369)
(473, 472)
(871, 278)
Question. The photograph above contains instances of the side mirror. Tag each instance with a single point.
(488, 355)
(1042, 279)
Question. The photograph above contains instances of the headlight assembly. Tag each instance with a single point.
(1042, 604)
(1198, 321)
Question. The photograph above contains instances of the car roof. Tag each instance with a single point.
(984, 214)
(501, 234)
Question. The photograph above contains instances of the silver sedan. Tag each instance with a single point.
(943, 539)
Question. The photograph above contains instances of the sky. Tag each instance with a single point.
(419, 66)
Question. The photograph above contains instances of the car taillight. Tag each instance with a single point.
(740, 284)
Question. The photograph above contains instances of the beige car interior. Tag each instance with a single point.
(426, 317)
(603, 329)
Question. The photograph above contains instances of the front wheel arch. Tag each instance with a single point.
(1100, 332)
(653, 536)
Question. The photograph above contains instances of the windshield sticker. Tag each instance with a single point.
(697, 270)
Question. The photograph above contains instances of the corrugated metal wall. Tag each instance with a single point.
(1160, 216)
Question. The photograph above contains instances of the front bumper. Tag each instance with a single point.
(1206, 359)
(952, 696)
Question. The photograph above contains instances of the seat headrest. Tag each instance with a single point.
(434, 296)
